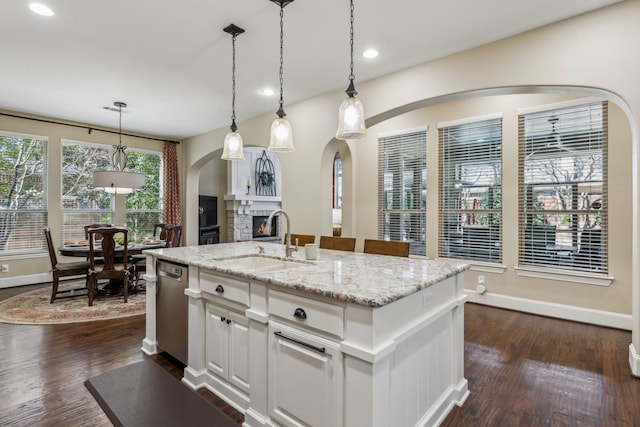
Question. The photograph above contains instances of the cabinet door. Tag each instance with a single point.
(305, 378)
(239, 351)
(217, 337)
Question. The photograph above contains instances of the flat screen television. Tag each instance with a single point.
(207, 211)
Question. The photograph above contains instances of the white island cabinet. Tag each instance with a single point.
(348, 339)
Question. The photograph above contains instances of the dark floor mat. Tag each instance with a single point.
(144, 394)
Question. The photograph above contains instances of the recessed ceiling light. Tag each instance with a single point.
(268, 92)
(370, 53)
(41, 9)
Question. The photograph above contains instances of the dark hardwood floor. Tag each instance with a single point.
(523, 370)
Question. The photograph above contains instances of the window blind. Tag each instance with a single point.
(23, 193)
(402, 188)
(563, 188)
(470, 192)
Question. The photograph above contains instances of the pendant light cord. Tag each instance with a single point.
(233, 85)
(351, 75)
(280, 112)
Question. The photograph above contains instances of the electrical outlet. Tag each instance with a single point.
(480, 279)
(5, 268)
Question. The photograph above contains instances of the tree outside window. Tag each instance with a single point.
(23, 197)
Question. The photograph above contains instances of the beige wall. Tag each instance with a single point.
(34, 269)
(557, 59)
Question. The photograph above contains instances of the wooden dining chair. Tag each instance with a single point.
(172, 237)
(386, 247)
(109, 270)
(98, 260)
(65, 269)
(87, 227)
(303, 239)
(338, 243)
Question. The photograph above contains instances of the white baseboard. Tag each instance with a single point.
(31, 279)
(560, 311)
(634, 361)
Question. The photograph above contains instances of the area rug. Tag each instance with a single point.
(144, 394)
(34, 308)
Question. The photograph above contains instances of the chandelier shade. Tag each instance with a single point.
(117, 181)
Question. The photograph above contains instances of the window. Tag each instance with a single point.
(563, 188)
(336, 212)
(23, 193)
(81, 204)
(144, 208)
(470, 195)
(402, 189)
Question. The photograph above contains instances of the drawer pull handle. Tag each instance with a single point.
(311, 346)
(299, 313)
(219, 288)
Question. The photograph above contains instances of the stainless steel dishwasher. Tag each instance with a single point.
(172, 308)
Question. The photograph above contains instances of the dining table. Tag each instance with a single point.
(81, 249)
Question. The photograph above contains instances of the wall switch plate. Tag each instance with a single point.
(5, 268)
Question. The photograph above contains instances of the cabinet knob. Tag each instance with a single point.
(222, 319)
(299, 313)
(219, 288)
(228, 321)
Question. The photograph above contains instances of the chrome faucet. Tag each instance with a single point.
(290, 249)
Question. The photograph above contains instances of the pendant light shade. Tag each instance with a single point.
(281, 133)
(351, 113)
(281, 136)
(118, 181)
(233, 146)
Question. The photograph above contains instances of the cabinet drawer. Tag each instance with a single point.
(225, 287)
(310, 313)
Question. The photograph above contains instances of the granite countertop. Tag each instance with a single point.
(366, 279)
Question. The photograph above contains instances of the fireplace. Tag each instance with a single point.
(259, 225)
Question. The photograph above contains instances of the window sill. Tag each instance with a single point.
(25, 255)
(565, 276)
(485, 267)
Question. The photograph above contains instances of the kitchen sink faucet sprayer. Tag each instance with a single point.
(267, 230)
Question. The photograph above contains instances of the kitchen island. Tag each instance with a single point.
(348, 339)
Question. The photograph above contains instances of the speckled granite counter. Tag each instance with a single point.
(342, 340)
(372, 280)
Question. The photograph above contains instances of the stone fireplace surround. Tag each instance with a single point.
(240, 213)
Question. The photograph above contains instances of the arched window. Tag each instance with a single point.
(337, 195)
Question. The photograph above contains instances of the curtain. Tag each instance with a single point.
(172, 213)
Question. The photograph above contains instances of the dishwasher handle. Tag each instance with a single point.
(170, 271)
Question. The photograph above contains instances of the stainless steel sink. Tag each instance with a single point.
(262, 263)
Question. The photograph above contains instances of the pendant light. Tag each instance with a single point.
(351, 114)
(118, 181)
(281, 135)
(233, 149)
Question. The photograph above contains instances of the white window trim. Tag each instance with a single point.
(469, 120)
(584, 278)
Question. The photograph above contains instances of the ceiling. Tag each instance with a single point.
(170, 61)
